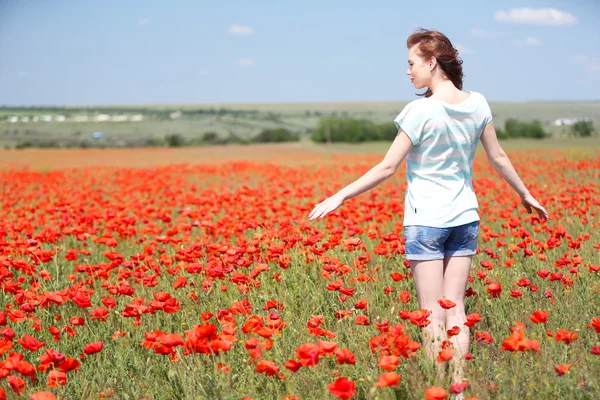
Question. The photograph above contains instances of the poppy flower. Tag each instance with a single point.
(446, 304)
(30, 343)
(93, 347)
(388, 379)
(342, 388)
(539, 317)
(435, 393)
(389, 363)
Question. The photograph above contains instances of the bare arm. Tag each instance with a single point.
(501, 163)
(379, 173)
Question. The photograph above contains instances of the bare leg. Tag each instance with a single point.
(428, 277)
(456, 274)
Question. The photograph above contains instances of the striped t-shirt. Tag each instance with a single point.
(439, 165)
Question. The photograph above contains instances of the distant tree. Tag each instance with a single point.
(534, 130)
(513, 128)
(210, 136)
(175, 140)
(583, 128)
(275, 135)
(518, 129)
(388, 131)
(500, 134)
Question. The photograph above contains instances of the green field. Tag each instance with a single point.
(247, 120)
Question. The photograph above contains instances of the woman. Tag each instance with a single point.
(438, 136)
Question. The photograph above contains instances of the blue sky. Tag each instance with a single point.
(82, 52)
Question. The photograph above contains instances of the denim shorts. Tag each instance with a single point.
(429, 243)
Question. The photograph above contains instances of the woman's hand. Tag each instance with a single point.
(530, 202)
(326, 206)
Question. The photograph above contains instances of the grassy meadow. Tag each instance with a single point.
(247, 120)
(194, 273)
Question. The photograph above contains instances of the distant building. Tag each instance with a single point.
(24, 119)
(119, 118)
(137, 117)
(59, 118)
(80, 118)
(175, 114)
(569, 121)
(13, 119)
(47, 118)
(103, 117)
(97, 135)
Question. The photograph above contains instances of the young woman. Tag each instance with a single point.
(438, 136)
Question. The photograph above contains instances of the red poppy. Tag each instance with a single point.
(446, 304)
(435, 393)
(308, 354)
(342, 388)
(269, 368)
(388, 379)
(389, 363)
(93, 347)
(30, 343)
(539, 317)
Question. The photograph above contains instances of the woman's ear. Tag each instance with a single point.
(432, 63)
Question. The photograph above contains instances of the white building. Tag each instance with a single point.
(137, 117)
(569, 121)
(59, 118)
(13, 119)
(175, 114)
(103, 117)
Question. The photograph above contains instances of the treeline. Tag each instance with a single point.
(533, 130)
(170, 140)
(352, 130)
(361, 130)
(328, 130)
(213, 138)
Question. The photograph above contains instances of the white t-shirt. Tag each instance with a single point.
(439, 166)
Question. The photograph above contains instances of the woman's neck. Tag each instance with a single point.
(442, 86)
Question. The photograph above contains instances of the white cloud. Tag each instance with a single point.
(486, 34)
(144, 21)
(528, 41)
(536, 16)
(463, 49)
(247, 62)
(241, 30)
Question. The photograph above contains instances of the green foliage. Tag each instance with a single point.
(175, 140)
(275, 135)
(583, 128)
(349, 130)
(210, 137)
(521, 129)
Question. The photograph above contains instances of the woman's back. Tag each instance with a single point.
(439, 165)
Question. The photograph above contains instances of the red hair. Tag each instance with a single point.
(436, 44)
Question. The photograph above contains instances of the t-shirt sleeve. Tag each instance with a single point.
(487, 112)
(412, 121)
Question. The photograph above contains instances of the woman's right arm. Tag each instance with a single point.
(501, 163)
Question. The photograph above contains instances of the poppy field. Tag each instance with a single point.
(206, 280)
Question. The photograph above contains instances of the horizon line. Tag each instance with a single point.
(4, 106)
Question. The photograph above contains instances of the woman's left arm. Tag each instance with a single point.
(373, 177)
